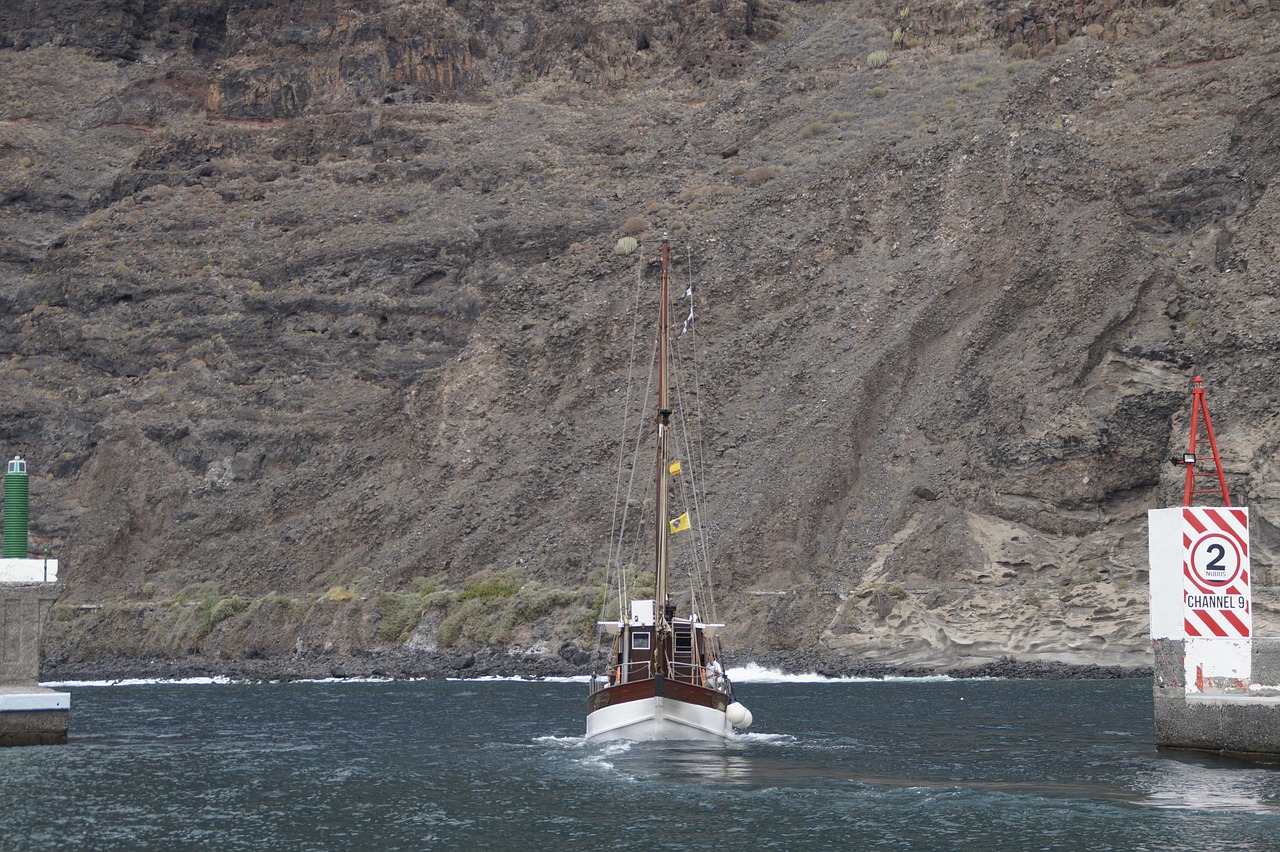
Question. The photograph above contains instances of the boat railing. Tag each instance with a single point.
(622, 673)
(698, 675)
(642, 670)
(687, 672)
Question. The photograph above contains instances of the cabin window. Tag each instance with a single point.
(639, 641)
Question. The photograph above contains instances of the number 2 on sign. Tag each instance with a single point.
(1216, 559)
(1215, 565)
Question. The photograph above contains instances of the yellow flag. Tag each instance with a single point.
(681, 523)
(674, 468)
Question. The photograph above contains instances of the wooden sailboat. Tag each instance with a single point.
(664, 678)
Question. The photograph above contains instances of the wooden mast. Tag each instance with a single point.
(664, 421)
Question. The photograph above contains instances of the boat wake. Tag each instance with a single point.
(561, 742)
(140, 681)
(755, 673)
(759, 738)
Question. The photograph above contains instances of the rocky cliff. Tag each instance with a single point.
(313, 335)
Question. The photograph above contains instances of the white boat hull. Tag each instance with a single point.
(658, 718)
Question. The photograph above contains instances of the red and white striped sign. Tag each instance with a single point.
(1215, 573)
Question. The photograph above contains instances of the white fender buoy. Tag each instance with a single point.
(738, 716)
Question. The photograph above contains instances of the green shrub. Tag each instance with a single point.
(815, 128)
(486, 613)
(877, 59)
(340, 594)
(399, 615)
(193, 591)
(473, 616)
(488, 590)
(216, 609)
(536, 600)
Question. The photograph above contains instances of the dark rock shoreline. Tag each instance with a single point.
(406, 664)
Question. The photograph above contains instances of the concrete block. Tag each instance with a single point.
(28, 570)
(23, 609)
(1237, 723)
(33, 715)
(1266, 662)
(34, 727)
(1217, 665)
(1164, 548)
(1169, 669)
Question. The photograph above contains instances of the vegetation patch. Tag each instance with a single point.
(634, 226)
(216, 609)
(399, 614)
(488, 611)
(816, 128)
(487, 591)
(340, 594)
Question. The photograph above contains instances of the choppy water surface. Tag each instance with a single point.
(908, 764)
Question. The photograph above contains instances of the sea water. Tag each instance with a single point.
(894, 764)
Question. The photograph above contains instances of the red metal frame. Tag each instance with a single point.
(1200, 408)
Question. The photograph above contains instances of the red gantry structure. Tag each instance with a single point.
(1195, 475)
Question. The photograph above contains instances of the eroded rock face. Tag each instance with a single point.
(335, 56)
(309, 304)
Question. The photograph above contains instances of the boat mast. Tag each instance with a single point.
(664, 420)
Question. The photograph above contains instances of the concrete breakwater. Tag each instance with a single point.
(1245, 721)
(29, 713)
(1215, 685)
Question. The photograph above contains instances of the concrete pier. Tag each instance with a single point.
(1216, 687)
(29, 713)
(1244, 721)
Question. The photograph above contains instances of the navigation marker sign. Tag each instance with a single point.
(1215, 571)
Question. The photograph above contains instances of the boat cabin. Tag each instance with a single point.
(637, 642)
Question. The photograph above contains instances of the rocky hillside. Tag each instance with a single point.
(314, 337)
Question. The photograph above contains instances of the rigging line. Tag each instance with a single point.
(687, 483)
(626, 413)
(701, 457)
(623, 580)
(702, 454)
(700, 573)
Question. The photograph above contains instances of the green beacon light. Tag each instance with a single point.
(15, 509)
